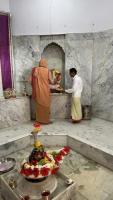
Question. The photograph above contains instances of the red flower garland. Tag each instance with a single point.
(34, 162)
(36, 172)
(26, 172)
(54, 171)
(58, 158)
(44, 171)
(62, 153)
(37, 125)
(66, 149)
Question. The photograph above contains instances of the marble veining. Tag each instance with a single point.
(24, 59)
(14, 111)
(91, 53)
(102, 79)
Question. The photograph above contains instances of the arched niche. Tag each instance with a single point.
(55, 57)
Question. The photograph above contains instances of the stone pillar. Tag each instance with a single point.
(1, 87)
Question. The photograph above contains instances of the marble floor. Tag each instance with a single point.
(94, 183)
(96, 132)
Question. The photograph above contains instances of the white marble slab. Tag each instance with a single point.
(14, 111)
(79, 55)
(102, 79)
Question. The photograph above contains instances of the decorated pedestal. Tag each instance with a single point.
(40, 167)
(40, 163)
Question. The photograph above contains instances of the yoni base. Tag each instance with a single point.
(34, 189)
(60, 191)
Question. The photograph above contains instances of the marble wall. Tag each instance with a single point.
(91, 53)
(28, 49)
(79, 55)
(26, 55)
(102, 75)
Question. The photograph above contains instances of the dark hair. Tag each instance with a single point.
(73, 70)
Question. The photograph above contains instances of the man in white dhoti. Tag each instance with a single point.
(76, 90)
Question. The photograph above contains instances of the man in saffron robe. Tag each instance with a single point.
(76, 90)
(40, 80)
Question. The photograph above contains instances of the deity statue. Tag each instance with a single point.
(57, 78)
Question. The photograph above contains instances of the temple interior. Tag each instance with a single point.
(66, 35)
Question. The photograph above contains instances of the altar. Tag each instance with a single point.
(60, 106)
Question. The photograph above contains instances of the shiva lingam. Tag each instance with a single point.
(41, 164)
(39, 169)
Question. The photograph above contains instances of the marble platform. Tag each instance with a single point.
(93, 181)
(19, 110)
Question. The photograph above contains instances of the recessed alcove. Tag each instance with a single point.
(55, 57)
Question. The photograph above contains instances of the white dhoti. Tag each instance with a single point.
(76, 110)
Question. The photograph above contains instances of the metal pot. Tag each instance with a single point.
(46, 195)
